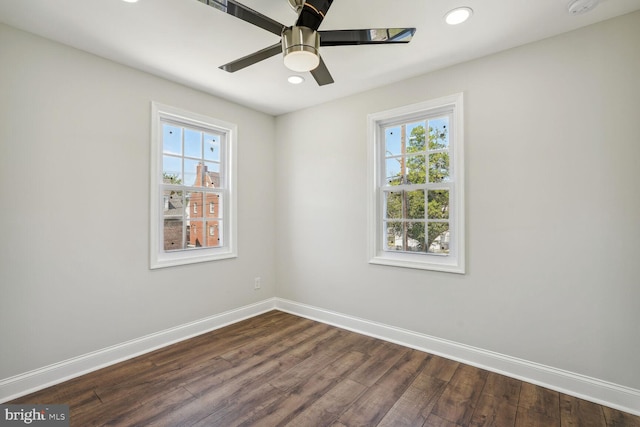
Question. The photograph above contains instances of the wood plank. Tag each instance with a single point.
(276, 341)
(441, 368)
(458, 400)
(538, 405)
(232, 397)
(325, 410)
(256, 368)
(152, 412)
(304, 393)
(381, 358)
(374, 403)
(578, 412)
(497, 405)
(615, 418)
(415, 404)
(493, 411)
(532, 418)
(147, 384)
(436, 421)
(239, 409)
(503, 387)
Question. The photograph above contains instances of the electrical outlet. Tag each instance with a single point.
(257, 283)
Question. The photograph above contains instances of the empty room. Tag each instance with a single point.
(320, 213)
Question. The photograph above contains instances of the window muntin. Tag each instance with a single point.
(417, 202)
(192, 166)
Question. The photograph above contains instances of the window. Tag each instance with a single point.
(416, 201)
(192, 164)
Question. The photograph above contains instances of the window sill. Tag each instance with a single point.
(418, 261)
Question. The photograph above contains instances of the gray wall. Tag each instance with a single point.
(74, 180)
(553, 206)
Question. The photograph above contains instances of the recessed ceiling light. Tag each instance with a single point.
(578, 7)
(131, 1)
(295, 80)
(458, 15)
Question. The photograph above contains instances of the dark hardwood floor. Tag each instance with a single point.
(278, 369)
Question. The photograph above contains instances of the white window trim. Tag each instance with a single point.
(455, 261)
(158, 258)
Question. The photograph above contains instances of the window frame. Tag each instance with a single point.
(454, 262)
(158, 257)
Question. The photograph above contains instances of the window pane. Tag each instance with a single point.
(439, 167)
(415, 204)
(216, 199)
(171, 139)
(415, 237)
(213, 172)
(438, 204)
(392, 141)
(173, 204)
(394, 236)
(393, 204)
(415, 132)
(212, 147)
(212, 202)
(171, 170)
(438, 238)
(196, 234)
(213, 234)
(173, 234)
(393, 173)
(193, 143)
(439, 133)
(191, 168)
(195, 205)
(416, 169)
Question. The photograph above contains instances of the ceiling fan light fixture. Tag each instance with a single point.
(458, 15)
(300, 48)
(295, 80)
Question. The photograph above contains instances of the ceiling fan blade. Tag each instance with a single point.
(312, 13)
(241, 11)
(258, 56)
(369, 36)
(321, 74)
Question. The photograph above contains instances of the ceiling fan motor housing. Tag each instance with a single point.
(296, 5)
(300, 46)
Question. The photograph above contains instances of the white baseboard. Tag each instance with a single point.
(20, 385)
(592, 389)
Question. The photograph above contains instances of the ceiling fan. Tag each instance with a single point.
(301, 42)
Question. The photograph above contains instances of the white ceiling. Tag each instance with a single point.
(186, 41)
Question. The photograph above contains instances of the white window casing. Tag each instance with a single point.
(381, 190)
(223, 189)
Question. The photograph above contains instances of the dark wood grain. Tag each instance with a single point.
(459, 399)
(576, 412)
(277, 369)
